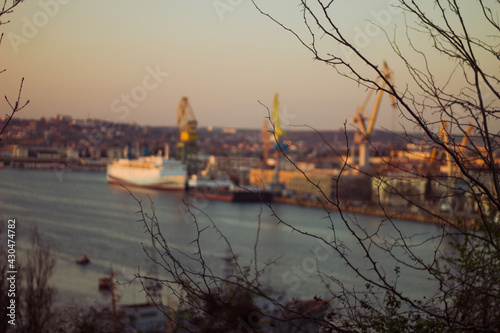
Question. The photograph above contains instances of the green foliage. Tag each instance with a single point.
(390, 316)
(473, 277)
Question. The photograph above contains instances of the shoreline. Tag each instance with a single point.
(370, 209)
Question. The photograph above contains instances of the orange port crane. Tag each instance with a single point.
(443, 136)
(466, 138)
(187, 147)
(362, 136)
(462, 149)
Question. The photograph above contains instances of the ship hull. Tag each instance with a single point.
(149, 172)
(156, 184)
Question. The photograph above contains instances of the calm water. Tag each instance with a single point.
(79, 212)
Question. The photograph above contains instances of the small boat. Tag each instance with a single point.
(82, 259)
(105, 284)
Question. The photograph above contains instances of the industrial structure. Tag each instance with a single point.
(266, 144)
(277, 186)
(187, 147)
(428, 172)
(362, 136)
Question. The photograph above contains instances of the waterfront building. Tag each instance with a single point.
(295, 182)
(398, 189)
(44, 153)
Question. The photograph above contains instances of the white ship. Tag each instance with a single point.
(148, 171)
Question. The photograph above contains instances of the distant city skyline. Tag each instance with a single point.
(133, 61)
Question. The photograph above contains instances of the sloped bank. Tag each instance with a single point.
(419, 215)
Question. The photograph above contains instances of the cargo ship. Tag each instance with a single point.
(225, 189)
(148, 171)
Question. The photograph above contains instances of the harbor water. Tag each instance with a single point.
(78, 212)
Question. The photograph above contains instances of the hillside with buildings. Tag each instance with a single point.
(313, 166)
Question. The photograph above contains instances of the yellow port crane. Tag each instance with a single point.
(276, 186)
(186, 121)
(275, 118)
(187, 147)
(362, 136)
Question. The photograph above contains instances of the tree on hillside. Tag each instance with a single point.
(6, 291)
(458, 113)
(29, 288)
(36, 313)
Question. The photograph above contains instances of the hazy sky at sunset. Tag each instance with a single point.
(84, 58)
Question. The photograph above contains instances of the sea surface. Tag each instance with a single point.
(79, 212)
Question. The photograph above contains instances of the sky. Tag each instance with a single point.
(132, 61)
